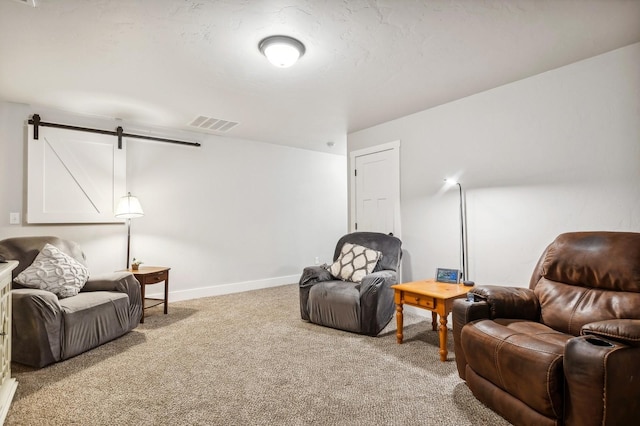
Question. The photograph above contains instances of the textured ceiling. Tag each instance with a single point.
(165, 62)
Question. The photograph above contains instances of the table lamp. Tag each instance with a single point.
(128, 208)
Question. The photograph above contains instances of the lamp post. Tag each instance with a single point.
(463, 238)
(129, 207)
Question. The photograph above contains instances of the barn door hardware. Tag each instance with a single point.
(119, 132)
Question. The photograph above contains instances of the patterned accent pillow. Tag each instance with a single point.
(354, 262)
(54, 271)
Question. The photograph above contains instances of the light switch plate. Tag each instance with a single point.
(14, 218)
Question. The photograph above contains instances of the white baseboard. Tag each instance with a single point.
(217, 290)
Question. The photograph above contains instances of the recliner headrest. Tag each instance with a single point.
(604, 260)
(390, 246)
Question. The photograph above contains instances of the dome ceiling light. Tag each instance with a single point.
(281, 51)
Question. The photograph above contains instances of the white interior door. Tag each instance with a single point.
(376, 189)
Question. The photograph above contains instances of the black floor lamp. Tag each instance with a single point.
(463, 237)
(129, 207)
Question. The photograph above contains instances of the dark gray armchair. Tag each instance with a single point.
(364, 307)
(46, 329)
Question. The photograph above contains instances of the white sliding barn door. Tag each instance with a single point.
(74, 176)
(376, 189)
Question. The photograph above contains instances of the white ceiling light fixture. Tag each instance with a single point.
(281, 51)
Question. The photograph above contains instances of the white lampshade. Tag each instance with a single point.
(281, 51)
(129, 207)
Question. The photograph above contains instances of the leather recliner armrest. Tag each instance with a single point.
(625, 331)
(602, 381)
(464, 312)
(509, 302)
(491, 302)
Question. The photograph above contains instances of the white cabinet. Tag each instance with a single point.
(8, 385)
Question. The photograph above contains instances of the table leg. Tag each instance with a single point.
(142, 295)
(434, 320)
(166, 295)
(443, 338)
(399, 322)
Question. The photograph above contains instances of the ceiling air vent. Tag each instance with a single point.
(215, 124)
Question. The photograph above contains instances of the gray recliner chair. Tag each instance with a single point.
(46, 329)
(364, 307)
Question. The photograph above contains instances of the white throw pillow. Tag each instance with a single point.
(54, 271)
(354, 263)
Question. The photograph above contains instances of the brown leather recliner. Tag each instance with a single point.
(566, 350)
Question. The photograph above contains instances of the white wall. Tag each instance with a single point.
(229, 216)
(553, 153)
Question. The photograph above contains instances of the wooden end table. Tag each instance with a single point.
(434, 296)
(147, 275)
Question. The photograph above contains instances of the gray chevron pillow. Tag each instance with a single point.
(354, 263)
(54, 271)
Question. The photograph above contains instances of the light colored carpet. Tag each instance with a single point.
(248, 359)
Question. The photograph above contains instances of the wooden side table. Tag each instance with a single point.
(152, 275)
(434, 296)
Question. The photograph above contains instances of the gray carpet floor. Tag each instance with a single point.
(248, 359)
